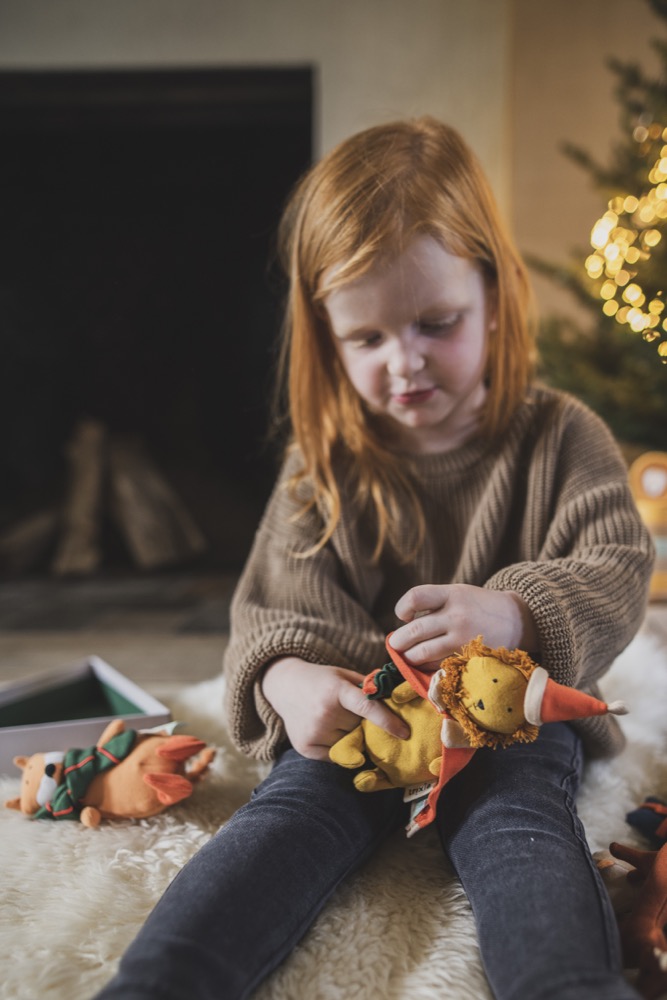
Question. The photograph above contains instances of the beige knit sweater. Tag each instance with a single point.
(546, 513)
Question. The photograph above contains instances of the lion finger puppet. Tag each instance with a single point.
(480, 697)
(127, 775)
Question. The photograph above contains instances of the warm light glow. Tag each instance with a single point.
(625, 238)
(632, 293)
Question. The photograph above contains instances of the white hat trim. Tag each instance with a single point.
(434, 695)
(532, 702)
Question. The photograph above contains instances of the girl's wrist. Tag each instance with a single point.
(529, 638)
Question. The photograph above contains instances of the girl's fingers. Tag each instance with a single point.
(421, 600)
(420, 631)
(354, 700)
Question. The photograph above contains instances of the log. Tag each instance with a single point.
(78, 551)
(26, 542)
(156, 525)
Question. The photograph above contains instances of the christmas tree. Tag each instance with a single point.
(622, 277)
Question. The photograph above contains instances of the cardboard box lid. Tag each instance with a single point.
(70, 708)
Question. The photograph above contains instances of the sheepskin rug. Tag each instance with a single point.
(73, 898)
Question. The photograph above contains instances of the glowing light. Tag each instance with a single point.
(637, 320)
(632, 293)
(625, 238)
(600, 234)
(594, 266)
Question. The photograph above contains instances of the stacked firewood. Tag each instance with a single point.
(112, 476)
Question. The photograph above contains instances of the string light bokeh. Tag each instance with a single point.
(628, 266)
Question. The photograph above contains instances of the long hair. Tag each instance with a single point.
(363, 203)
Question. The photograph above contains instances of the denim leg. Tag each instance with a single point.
(241, 904)
(508, 823)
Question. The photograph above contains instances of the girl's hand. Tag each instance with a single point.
(443, 617)
(320, 703)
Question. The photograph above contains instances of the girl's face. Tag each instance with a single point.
(412, 337)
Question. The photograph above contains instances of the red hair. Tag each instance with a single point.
(363, 202)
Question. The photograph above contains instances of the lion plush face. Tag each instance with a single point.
(492, 693)
(484, 690)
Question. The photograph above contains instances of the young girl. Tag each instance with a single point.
(428, 482)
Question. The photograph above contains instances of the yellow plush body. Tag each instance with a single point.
(480, 697)
(398, 763)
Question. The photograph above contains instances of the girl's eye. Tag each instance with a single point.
(372, 340)
(436, 326)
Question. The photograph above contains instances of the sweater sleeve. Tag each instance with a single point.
(285, 604)
(587, 587)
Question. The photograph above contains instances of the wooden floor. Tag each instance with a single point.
(157, 630)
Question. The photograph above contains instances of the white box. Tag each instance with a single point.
(70, 708)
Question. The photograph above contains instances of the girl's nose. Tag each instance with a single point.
(406, 358)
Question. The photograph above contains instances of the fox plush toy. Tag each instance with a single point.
(126, 775)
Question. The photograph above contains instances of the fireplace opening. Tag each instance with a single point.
(140, 302)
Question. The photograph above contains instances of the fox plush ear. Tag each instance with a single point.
(13, 804)
(21, 761)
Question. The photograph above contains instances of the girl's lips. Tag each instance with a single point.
(414, 398)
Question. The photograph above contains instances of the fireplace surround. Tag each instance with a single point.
(138, 280)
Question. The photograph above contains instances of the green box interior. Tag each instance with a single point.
(86, 697)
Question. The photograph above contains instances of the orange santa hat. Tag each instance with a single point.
(548, 701)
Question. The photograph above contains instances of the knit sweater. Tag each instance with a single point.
(546, 513)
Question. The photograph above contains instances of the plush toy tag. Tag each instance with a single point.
(416, 808)
(417, 793)
(165, 727)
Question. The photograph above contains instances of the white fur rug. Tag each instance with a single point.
(73, 898)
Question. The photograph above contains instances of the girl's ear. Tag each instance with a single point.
(492, 306)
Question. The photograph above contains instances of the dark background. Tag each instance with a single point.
(138, 281)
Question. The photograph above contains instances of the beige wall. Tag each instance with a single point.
(518, 77)
(376, 59)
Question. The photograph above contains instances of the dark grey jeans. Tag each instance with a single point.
(507, 822)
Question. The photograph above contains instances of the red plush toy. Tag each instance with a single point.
(642, 926)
